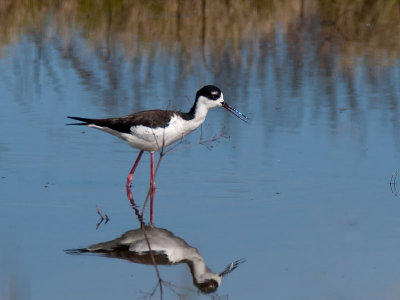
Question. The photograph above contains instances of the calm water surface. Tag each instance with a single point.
(301, 191)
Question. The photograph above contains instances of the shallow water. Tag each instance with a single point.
(301, 191)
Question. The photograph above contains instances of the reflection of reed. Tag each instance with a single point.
(219, 28)
(278, 42)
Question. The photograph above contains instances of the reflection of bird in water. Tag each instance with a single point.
(153, 130)
(167, 249)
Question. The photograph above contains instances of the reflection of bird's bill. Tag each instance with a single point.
(235, 112)
(232, 266)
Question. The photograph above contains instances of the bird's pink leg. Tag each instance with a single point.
(130, 176)
(152, 186)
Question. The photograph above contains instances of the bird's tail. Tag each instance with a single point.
(84, 121)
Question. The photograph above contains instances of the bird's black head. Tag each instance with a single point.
(211, 92)
(210, 96)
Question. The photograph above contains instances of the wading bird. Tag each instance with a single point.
(152, 130)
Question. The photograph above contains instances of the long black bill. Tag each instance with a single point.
(235, 112)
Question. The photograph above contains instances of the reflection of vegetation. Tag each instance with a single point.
(360, 24)
(218, 28)
(283, 45)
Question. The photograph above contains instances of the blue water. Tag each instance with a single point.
(301, 191)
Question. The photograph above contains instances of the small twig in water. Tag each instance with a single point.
(106, 218)
(393, 178)
(173, 288)
(392, 183)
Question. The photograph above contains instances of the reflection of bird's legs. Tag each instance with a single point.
(134, 206)
(130, 176)
(152, 186)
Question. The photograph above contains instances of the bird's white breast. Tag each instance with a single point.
(154, 139)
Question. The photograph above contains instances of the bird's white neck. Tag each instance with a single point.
(201, 272)
(200, 112)
(200, 109)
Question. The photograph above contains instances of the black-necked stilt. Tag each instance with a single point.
(152, 130)
(167, 249)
